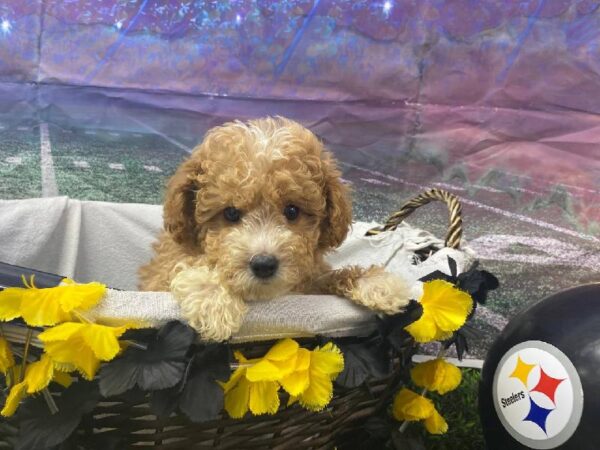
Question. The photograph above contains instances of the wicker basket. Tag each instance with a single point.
(127, 422)
(292, 427)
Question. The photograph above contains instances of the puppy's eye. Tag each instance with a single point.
(232, 214)
(291, 212)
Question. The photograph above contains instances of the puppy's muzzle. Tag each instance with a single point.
(264, 266)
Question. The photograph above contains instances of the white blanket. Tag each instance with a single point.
(107, 242)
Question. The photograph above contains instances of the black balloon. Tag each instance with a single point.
(570, 322)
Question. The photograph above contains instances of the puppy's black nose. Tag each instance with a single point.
(264, 266)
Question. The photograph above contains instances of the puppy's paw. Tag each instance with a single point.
(212, 321)
(381, 291)
(206, 305)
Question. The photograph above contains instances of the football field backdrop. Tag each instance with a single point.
(497, 102)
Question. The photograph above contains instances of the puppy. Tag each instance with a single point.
(250, 216)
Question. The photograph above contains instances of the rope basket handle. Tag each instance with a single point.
(454, 234)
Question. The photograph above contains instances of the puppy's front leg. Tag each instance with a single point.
(206, 305)
(372, 287)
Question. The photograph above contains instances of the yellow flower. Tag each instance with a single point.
(39, 374)
(296, 382)
(241, 394)
(37, 377)
(306, 376)
(10, 303)
(16, 394)
(49, 306)
(324, 366)
(263, 376)
(279, 361)
(445, 309)
(254, 385)
(62, 378)
(237, 392)
(436, 375)
(6, 357)
(435, 423)
(13, 375)
(411, 406)
(81, 346)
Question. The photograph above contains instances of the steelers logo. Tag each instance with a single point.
(538, 395)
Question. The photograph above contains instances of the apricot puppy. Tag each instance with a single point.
(249, 216)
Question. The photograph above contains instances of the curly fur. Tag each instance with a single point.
(211, 310)
(258, 167)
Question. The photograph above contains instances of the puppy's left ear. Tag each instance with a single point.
(335, 226)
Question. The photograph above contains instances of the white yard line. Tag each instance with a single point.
(375, 181)
(49, 186)
(81, 164)
(183, 147)
(14, 160)
(462, 188)
(493, 209)
(116, 166)
(488, 189)
(450, 186)
(154, 169)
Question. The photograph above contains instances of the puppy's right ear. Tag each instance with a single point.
(179, 206)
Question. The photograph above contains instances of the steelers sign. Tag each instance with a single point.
(538, 395)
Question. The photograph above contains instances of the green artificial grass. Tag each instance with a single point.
(97, 181)
(20, 170)
(460, 410)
